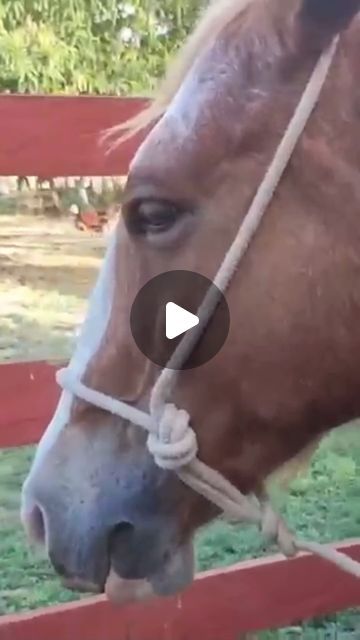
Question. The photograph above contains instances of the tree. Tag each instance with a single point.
(89, 46)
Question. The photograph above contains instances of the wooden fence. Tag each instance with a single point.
(59, 137)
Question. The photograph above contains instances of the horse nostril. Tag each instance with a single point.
(35, 524)
(58, 566)
(121, 540)
(133, 551)
(124, 552)
(120, 536)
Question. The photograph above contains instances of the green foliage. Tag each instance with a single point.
(89, 46)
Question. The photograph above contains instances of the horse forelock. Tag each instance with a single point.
(250, 17)
(217, 16)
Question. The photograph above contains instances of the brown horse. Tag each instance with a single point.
(288, 372)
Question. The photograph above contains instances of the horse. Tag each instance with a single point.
(110, 518)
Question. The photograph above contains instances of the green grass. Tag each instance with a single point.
(322, 505)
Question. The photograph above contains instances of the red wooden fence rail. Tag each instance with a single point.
(28, 395)
(60, 137)
(220, 605)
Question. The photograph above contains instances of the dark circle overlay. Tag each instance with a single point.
(148, 315)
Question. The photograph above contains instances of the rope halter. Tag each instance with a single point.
(171, 440)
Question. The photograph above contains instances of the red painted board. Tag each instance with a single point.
(28, 397)
(220, 605)
(53, 136)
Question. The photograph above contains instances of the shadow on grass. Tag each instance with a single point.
(23, 339)
(66, 279)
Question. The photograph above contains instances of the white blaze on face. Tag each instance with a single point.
(180, 122)
(91, 334)
(176, 127)
(99, 308)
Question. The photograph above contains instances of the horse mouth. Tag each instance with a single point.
(173, 577)
(120, 591)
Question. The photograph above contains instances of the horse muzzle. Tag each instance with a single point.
(126, 563)
(107, 522)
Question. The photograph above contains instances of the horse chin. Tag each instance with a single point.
(174, 576)
(120, 591)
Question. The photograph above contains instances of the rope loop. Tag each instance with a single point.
(274, 528)
(173, 444)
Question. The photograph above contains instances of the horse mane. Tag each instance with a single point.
(216, 17)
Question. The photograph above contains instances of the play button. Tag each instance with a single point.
(178, 320)
(167, 307)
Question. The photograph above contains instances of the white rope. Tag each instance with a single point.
(171, 440)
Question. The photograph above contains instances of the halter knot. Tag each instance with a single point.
(173, 445)
(274, 528)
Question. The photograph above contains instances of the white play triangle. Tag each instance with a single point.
(178, 320)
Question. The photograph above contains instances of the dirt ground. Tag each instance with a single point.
(47, 269)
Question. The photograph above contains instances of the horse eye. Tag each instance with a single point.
(149, 217)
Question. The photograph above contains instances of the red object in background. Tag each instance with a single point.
(28, 397)
(58, 136)
(91, 221)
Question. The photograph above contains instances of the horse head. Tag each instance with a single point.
(109, 516)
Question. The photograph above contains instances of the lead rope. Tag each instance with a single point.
(171, 439)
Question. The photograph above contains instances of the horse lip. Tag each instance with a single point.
(82, 586)
(121, 592)
(85, 585)
(175, 575)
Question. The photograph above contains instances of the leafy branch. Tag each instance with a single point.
(89, 46)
